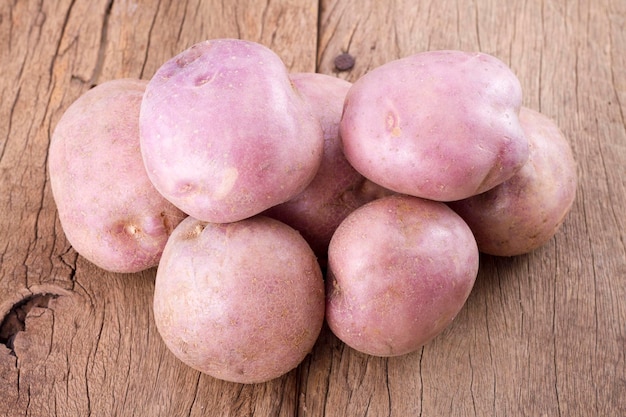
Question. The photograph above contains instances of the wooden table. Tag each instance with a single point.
(542, 334)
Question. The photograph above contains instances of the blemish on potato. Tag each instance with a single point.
(393, 124)
(132, 230)
(185, 188)
(195, 231)
(191, 54)
(167, 223)
(204, 79)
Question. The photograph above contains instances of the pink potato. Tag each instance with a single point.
(224, 134)
(241, 301)
(337, 188)
(109, 210)
(441, 125)
(526, 211)
(400, 268)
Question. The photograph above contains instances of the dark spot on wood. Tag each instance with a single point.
(344, 62)
(15, 320)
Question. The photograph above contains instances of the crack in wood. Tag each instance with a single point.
(15, 320)
(142, 73)
(195, 395)
(103, 41)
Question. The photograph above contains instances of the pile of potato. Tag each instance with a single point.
(243, 184)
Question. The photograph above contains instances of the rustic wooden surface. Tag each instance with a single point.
(542, 334)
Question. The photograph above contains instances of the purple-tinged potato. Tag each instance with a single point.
(337, 189)
(526, 211)
(109, 210)
(440, 125)
(241, 301)
(224, 134)
(400, 268)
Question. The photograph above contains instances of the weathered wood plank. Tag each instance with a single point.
(539, 329)
(88, 345)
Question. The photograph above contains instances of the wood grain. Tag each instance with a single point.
(543, 334)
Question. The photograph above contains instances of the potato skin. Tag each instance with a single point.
(523, 213)
(241, 301)
(109, 210)
(337, 188)
(224, 135)
(441, 125)
(400, 268)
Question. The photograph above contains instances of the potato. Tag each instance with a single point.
(337, 188)
(109, 210)
(526, 211)
(400, 268)
(241, 301)
(224, 134)
(441, 125)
